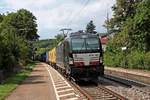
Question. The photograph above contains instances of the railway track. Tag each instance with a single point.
(64, 89)
(85, 95)
(94, 92)
(136, 85)
(130, 83)
(101, 93)
(97, 92)
(107, 89)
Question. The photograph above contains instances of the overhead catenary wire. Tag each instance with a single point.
(71, 14)
(78, 13)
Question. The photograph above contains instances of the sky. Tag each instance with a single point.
(53, 15)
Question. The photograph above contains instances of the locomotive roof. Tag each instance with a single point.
(78, 34)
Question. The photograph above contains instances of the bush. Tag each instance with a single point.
(135, 59)
(113, 58)
(108, 59)
(147, 60)
(1, 51)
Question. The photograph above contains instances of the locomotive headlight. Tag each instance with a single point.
(101, 60)
(84, 36)
(70, 60)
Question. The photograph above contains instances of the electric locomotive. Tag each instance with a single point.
(80, 55)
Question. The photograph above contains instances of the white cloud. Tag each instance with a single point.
(55, 14)
(30, 4)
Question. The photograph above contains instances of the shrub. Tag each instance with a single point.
(113, 58)
(108, 59)
(147, 60)
(135, 59)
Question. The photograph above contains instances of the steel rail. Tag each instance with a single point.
(72, 82)
(87, 95)
(118, 96)
(82, 91)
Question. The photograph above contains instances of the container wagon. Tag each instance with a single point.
(52, 57)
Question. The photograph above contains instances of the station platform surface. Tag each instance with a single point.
(139, 72)
(38, 86)
(131, 74)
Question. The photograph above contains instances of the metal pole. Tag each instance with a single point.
(65, 29)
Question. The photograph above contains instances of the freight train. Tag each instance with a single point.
(79, 56)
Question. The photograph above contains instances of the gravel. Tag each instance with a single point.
(133, 93)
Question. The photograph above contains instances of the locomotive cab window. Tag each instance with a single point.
(92, 43)
(78, 44)
(85, 44)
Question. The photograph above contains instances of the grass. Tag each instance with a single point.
(12, 82)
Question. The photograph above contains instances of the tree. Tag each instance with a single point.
(122, 10)
(140, 27)
(1, 50)
(26, 24)
(59, 38)
(1, 18)
(134, 33)
(17, 30)
(90, 28)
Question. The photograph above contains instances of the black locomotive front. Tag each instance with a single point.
(83, 56)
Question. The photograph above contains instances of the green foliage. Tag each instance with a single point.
(147, 61)
(59, 38)
(137, 28)
(26, 24)
(1, 50)
(43, 45)
(1, 18)
(90, 28)
(136, 60)
(113, 56)
(134, 33)
(122, 10)
(23, 22)
(12, 82)
(17, 31)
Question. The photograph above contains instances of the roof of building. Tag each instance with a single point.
(104, 40)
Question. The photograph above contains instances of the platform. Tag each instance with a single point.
(44, 83)
(133, 74)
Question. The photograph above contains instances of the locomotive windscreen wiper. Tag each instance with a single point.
(83, 45)
(88, 46)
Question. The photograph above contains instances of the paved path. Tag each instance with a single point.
(37, 86)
